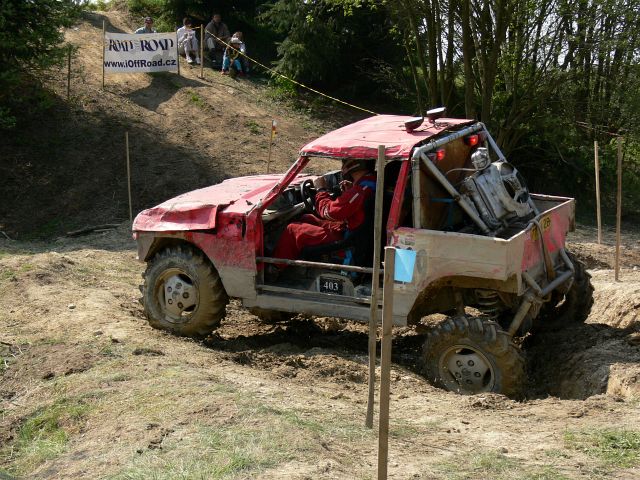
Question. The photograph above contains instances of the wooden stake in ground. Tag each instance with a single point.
(126, 141)
(274, 124)
(385, 360)
(201, 51)
(69, 72)
(375, 281)
(103, 46)
(619, 208)
(177, 54)
(597, 168)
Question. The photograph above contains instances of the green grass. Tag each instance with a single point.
(258, 437)
(196, 99)
(613, 448)
(254, 127)
(44, 435)
(495, 466)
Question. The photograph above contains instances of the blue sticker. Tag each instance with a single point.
(405, 261)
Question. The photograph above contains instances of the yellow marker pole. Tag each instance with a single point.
(273, 132)
(103, 46)
(201, 51)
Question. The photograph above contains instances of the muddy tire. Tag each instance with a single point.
(575, 305)
(471, 355)
(183, 293)
(271, 316)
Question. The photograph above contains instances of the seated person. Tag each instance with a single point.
(148, 26)
(232, 61)
(339, 217)
(188, 41)
(216, 32)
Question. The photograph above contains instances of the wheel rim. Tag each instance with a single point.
(465, 369)
(177, 295)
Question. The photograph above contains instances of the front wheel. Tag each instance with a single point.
(470, 355)
(183, 292)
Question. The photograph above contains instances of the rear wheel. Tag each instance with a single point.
(470, 355)
(575, 305)
(183, 293)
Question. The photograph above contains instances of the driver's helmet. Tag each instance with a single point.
(351, 165)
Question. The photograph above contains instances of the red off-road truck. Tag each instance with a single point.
(489, 254)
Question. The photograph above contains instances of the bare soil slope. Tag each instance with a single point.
(67, 168)
(89, 390)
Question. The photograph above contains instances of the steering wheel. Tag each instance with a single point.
(308, 194)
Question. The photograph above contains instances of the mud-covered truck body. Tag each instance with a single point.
(489, 254)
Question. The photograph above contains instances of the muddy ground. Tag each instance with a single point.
(287, 400)
(89, 390)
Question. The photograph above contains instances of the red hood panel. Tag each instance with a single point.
(197, 210)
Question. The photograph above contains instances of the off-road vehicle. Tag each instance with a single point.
(489, 254)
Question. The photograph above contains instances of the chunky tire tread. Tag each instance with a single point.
(212, 297)
(575, 305)
(483, 335)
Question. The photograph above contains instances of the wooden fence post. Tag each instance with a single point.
(385, 361)
(375, 282)
(619, 209)
(597, 168)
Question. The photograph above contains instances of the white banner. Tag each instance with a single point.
(148, 52)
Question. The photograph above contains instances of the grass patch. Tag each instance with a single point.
(254, 127)
(258, 437)
(494, 465)
(44, 435)
(614, 448)
(196, 99)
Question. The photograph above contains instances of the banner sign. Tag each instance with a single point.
(148, 52)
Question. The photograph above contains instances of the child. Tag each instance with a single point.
(232, 63)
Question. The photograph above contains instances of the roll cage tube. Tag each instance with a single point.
(420, 154)
(284, 182)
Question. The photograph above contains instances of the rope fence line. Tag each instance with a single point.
(290, 79)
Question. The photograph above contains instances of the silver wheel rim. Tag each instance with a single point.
(464, 369)
(177, 295)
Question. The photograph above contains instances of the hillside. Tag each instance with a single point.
(89, 390)
(67, 168)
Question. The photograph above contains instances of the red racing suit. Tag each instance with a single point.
(344, 213)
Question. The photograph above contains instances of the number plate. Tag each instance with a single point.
(331, 285)
(545, 224)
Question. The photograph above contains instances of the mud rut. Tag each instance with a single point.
(572, 362)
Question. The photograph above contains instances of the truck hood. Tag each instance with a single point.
(198, 209)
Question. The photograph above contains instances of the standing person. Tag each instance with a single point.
(216, 32)
(339, 217)
(148, 26)
(188, 41)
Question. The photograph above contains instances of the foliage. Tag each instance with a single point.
(30, 42)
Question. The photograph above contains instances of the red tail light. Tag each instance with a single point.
(472, 140)
(437, 155)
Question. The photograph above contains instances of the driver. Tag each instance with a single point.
(337, 217)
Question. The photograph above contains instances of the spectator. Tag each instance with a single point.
(188, 41)
(216, 32)
(148, 26)
(232, 61)
(243, 50)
